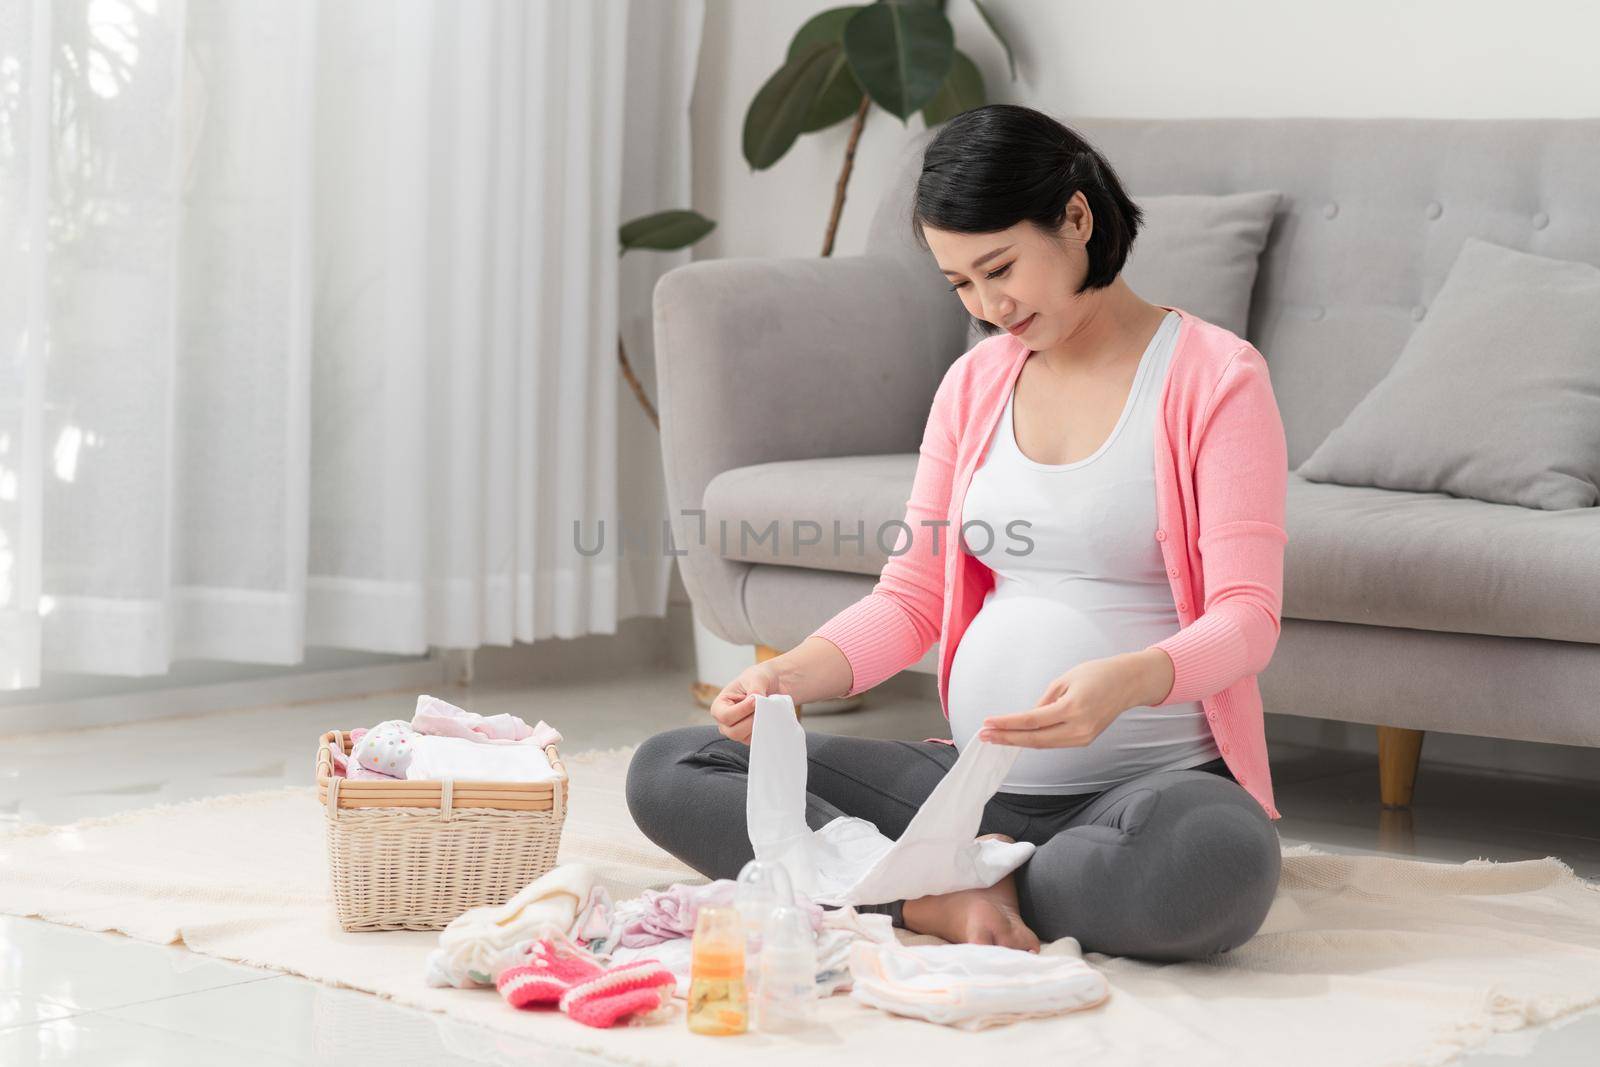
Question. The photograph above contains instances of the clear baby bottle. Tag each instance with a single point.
(717, 999)
(762, 886)
(788, 988)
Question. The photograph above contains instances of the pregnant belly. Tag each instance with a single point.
(1015, 647)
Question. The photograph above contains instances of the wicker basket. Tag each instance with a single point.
(413, 855)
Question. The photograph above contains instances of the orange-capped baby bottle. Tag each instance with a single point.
(717, 1000)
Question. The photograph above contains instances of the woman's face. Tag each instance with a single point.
(1031, 281)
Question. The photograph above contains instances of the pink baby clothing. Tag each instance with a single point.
(658, 915)
(554, 971)
(443, 719)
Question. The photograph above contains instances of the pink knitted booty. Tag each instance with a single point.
(550, 970)
(643, 986)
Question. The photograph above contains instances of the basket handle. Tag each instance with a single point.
(333, 795)
(557, 796)
(446, 797)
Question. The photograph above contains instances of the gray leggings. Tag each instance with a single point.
(1169, 866)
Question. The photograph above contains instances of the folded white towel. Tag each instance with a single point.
(481, 942)
(971, 986)
(456, 757)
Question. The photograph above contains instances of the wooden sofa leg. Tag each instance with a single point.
(766, 652)
(1399, 751)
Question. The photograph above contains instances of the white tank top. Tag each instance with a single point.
(1083, 580)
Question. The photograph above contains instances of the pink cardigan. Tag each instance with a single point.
(1219, 441)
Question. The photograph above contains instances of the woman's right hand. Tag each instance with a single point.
(735, 707)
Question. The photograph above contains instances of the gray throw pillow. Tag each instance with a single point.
(1496, 396)
(1196, 252)
(1200, 253)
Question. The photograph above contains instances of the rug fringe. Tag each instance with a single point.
(1500, 1014)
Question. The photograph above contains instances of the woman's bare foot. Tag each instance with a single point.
(976, 916)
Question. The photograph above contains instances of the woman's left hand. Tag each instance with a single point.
(1078, 706)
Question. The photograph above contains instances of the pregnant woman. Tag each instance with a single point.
(1095, 529)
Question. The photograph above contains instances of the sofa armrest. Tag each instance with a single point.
(760, 360)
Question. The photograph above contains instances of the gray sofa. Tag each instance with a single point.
(796, 390)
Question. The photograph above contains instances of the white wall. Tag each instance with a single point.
(1138, 58)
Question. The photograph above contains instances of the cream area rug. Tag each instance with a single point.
(1368, 960)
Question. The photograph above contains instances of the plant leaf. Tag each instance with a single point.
(823, 26)
(840, 94)
(962, 91)
(777, 114)
(900, 53)
(665, 231)
(838, 99)
(988, 20)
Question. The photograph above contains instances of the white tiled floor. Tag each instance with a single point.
(72, 996)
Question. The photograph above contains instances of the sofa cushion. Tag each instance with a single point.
(1496, 396)
(1200, 253)
(778, 501)
(1430, 561)
(1380, 557)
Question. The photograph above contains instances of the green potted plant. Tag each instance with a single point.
(899, 54)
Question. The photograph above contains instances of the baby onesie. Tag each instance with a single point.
(849, 861)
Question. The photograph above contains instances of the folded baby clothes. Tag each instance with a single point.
(971, 986)
(440, 718)
(658, 915)
(842, 927)
(456, 757)
(393, 748)
(481, 942)
(444, 741)
(848, 861)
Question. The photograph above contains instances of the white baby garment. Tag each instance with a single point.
(848, 861)
(971, 986)
(458, 758)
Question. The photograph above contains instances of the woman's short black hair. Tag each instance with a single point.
(994, 166)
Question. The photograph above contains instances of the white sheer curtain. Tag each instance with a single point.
(309, 317)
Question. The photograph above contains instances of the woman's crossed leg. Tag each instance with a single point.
(1171, 865)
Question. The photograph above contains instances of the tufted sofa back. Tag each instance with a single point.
(1374, 213)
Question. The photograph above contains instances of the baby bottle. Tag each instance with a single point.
(788, 996)
(717, 1002)
(762, 886)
